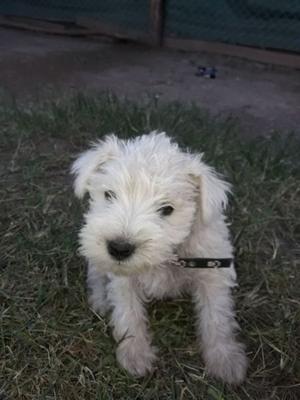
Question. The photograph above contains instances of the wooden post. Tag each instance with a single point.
(156, 21)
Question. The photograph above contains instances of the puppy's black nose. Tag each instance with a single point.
(119, 249)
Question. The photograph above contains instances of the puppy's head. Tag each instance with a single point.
(146, 197)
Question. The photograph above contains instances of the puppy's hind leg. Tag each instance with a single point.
(97, 291)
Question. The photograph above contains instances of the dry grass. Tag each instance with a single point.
(52, 346)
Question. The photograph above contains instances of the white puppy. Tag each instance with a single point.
(150, 202)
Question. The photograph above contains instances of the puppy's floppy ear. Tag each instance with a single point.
(91, 161)
(212, 191)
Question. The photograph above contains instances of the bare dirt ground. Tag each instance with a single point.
(264, 98)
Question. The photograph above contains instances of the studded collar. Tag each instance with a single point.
(204, 262)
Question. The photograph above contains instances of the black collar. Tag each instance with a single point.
(204, 262)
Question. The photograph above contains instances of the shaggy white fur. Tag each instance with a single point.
(149, 200)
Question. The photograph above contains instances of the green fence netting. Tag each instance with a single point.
(271, 24)
(125, 13)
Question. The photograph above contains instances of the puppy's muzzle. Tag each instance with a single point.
(120, 249)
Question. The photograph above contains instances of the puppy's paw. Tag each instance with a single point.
(137, 357)
(227, 362)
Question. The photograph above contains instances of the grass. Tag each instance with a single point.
(52, 346)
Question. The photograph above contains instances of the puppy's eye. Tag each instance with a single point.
(109, 195)
(166, 210)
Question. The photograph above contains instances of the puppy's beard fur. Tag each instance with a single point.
(145, 257)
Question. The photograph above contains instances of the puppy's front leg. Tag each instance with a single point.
(97, 282)
(224, 356)
(130, 330)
